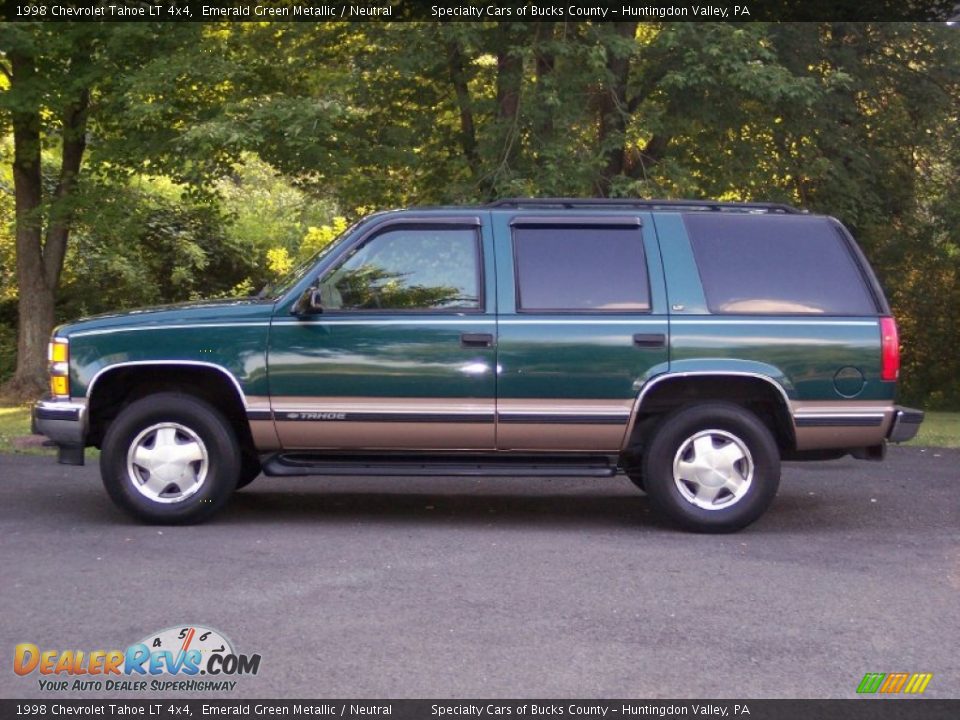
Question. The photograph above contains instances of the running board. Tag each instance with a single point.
(296, 464)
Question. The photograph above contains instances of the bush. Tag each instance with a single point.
(8, 352)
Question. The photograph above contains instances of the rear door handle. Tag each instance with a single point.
(476, 340)
(650, 340)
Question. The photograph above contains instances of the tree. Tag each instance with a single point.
(59, 77)
(853, 119)
(40, 255)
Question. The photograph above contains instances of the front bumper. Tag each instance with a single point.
(65, 423)
(906, 423)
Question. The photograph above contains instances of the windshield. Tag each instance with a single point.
(279, 287)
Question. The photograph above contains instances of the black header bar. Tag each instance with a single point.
(478, 10)
(447, 709)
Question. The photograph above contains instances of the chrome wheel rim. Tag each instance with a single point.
(713, 469)
(167, 463)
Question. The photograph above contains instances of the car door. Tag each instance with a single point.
(583, 323)
(401, 356)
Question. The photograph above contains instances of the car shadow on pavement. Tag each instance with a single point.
(481, 509)
(631, 509)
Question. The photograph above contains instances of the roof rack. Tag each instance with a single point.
(709, 205)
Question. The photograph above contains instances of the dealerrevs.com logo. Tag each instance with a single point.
(183, 658)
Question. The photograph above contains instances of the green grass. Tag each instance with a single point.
(939, 429)
(15, 423)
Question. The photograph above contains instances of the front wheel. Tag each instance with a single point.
(170, 459)
(250, 469)
(713, 467)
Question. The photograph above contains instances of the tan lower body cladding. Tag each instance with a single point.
(351, 423)
(557, 425)
(562, 425)
(440, 424)
(848, 424)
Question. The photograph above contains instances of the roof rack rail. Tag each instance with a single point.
(710, 205)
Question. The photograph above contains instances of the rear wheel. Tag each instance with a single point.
(170, 458)
(712, 468)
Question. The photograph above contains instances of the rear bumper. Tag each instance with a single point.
(906, 423)
(65, 423)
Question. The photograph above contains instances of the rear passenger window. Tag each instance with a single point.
(776, 264)
(586, 269)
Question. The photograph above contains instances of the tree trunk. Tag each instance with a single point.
(509, 82)
(62, 215)
(458, 77)
(546, 63)
(35, 305)
(613, 109)
(509, 77)
(40, 263)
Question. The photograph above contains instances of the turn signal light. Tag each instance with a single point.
(59, 386)
(58, 353)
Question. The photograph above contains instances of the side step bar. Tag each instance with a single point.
(297, 464)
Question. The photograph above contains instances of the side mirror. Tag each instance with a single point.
(309, 303)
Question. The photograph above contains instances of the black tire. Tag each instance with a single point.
(717, 426)
(182, 420)
(637, 479)
(250, 469)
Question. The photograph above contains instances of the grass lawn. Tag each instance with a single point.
(939, 429)
(15, 423)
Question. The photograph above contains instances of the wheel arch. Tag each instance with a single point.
(756, 391)
(115, 386)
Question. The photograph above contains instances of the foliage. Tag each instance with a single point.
(143, 245)
(219, 153)
(265, 209)
(8, 350)
(317, 238)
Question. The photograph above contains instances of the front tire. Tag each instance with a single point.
(170, 459)
(250, 469)
(713, 467)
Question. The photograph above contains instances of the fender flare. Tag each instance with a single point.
(654, 381)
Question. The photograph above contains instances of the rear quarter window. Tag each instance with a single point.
(775, 264)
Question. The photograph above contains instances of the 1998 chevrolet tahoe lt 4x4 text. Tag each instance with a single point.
(691, 345)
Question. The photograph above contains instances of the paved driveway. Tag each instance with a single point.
(367, 587)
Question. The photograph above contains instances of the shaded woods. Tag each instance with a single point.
(150, 163)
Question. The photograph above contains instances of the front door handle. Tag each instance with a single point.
(650, 340)
(476, 340)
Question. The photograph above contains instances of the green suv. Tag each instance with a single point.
(690, 345)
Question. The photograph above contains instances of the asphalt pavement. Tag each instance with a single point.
(459, 588)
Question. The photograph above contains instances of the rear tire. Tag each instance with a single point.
(170, 459)
(713, 467)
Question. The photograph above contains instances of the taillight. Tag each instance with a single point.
(889, 350)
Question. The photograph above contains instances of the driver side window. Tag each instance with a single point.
(408, 269)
